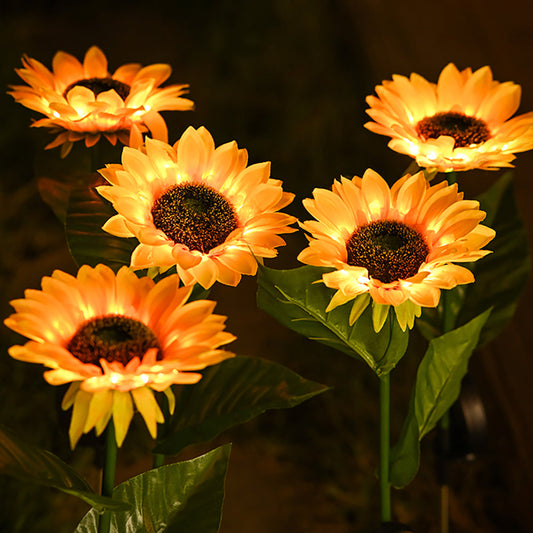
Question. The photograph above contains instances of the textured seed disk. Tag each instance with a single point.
(194, 215)
(464, 129)
(388, 249)
(112, 337)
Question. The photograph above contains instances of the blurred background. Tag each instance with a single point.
(287, 80)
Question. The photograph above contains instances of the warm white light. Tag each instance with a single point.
(375, 207)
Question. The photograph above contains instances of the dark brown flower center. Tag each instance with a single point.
(113, 338)
(100, 85)
(464, 129)
(389, 250)
(194, 215)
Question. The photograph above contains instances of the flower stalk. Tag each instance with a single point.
(384, 448)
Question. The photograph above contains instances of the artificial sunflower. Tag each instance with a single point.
(85, 101)
(116, 339)
(460, 123)
(196, 207)
(393, 246)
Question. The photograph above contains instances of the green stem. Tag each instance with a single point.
(96, 157)
(108, 478)
(159, 460)
(451, 177)
(384, 448)
(448, 323)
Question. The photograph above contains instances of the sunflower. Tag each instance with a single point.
(196, 207)
(116, 339)
(461, 123)
(393, 246)
(85, 101)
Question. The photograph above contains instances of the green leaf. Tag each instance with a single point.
(438, 383)
(30, 463)
(176, 498)
(293, 298)
(500, 276)
(88, 243)
(55, 194)
(232, 393)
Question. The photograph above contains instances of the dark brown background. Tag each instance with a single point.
(287, 80)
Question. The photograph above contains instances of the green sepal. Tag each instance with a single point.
(30, 463)
(380, 312)
(175, 498)
(293, 298)
(406, 314)
(437, 387)
(231, 393)
(359, 305)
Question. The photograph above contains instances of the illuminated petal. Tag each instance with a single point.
(142, 187)
(480, 107)
(119, 107)
(431, 226)
(167, 337)
(147, 406)
(122, 414)
(66, 68)
(101, 405)
(80, 412)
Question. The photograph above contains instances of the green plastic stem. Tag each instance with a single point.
(451, 177)
(384, 448)
(159, 460)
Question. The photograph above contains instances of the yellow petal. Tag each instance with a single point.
(122, 414)
(80, 412)
(95, 63)
(100, 407)
(149, 409)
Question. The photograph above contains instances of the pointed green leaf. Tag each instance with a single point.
(56, 176)
(88, 243)
(500, 276)
(231, 393)
(30, 463)
(293, 298)
(55, 194)
(176, 498)
(438, 383)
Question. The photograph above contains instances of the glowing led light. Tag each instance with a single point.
(459, 157)
(375, 207)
